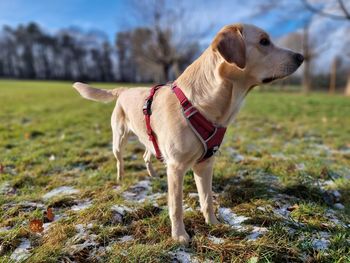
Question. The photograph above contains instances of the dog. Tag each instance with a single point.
(240, 57)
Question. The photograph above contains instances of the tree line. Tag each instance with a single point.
(28, 52)
(139, 55)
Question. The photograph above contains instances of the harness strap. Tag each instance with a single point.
(147, 111)
(208, 133)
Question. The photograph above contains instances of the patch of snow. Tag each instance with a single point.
(320, 244)
(261, 208)
(231, 218)
(62, 190)
(52, 157)
(182, 256)
(5, 188)
(80, 228)
(155, 196)
(193, 195)
(282, 211)
(256, 233)
(125, 239)
(22, 251)
(300, 166)
(216, 240)
(328, 183)
(336, 194)
(133, 157)
(82, 205)
(119, 213)
(121, 209)
(279, 156)
(28, 204)
(339, 206)
(4, 229)
(138, 192)
(76, 248)
(187, 208)
(116, 188)
(235, 155)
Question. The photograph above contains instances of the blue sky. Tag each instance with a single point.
(111, 16)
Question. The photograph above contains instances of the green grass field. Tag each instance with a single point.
(283, 174)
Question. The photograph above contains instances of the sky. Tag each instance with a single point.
(111, 16)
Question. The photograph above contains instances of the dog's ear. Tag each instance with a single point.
(230, 44)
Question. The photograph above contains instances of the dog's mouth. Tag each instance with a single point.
(268, 80)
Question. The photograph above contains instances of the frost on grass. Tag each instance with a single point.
(231, 218)
(182, 256)
(235, 155)
(22, 251)
(5, 188)
(216, 240)
(138, 192)
(319, 241)
(320, 244)
(256, 233)
(339, 206)
(82, 241)
(63, 190)
(125, 239)
(81, 205)
(119, 211)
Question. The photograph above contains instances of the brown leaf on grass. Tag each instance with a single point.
(27, 136)
(49, 215)
(36, 226)
(293, 207)
(2, 168)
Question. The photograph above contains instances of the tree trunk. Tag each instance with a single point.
(306, 76)
(347, 88)
(166, 71)
(307, 61)
(333, 77)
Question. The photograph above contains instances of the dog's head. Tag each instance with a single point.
(248, 51)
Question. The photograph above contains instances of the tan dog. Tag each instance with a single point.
(239, 58)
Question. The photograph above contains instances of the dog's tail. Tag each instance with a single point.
(103, 95)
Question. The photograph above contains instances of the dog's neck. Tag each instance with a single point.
(218, 99)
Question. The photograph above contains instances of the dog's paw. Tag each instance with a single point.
(212, 220)
(183, 239)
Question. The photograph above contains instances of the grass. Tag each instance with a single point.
(285, 149)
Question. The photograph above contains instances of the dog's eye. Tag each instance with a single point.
(264, 42)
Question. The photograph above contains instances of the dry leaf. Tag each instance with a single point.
(27, 136)
(292, 208)
(2, 168)
(49, 215)
(36, 226)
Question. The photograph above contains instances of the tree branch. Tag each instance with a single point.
(343, 7)
(322, 13)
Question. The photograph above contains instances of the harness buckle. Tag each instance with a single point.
(147, 107)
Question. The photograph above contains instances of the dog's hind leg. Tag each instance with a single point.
(120, 136)
(203, 173)
(147, 157)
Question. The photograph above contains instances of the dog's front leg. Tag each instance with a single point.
(175, 173)
(203, 173)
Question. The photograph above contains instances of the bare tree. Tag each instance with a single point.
(170, 42)
(342, 7)
(345, 16)
(297, 12)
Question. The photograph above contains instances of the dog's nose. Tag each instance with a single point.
(299, 58)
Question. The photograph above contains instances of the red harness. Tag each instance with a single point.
(208, 133)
